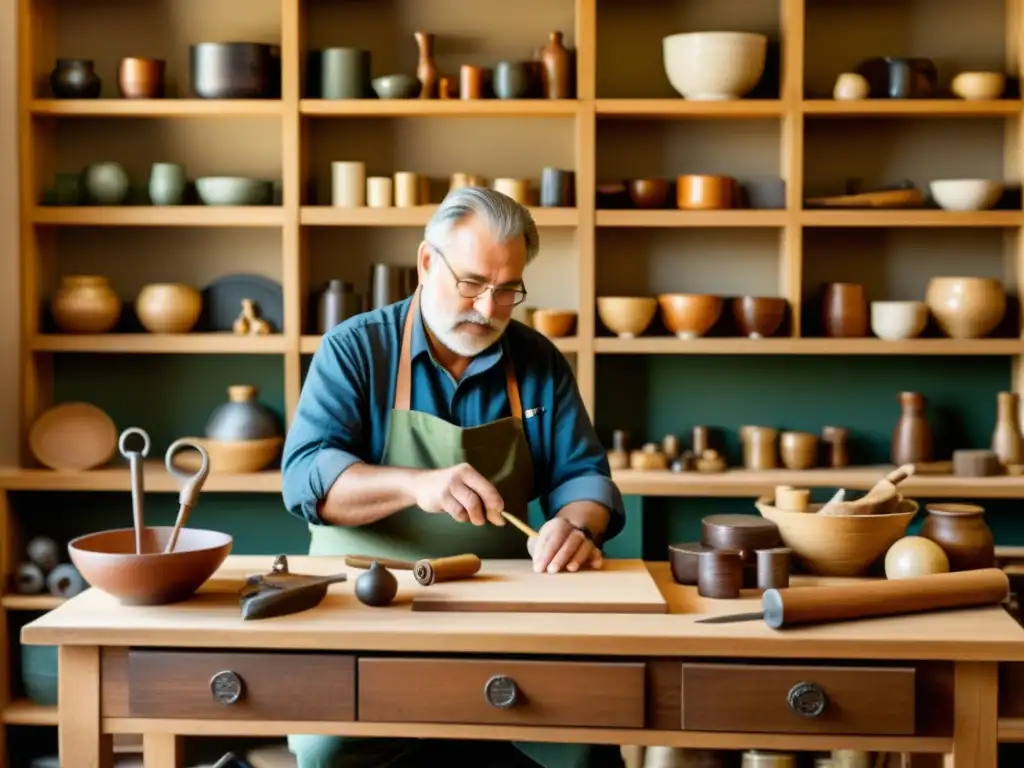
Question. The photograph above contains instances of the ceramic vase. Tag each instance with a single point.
(556, 65)
(75, 79)
(167, 184)
(426, 68)
(242, 417)
(106, 183)
(912, 436)
(85, 304)
(168, 307)
(336, 303)
(1006, 437)
(963, 534)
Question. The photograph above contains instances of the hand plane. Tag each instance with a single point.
(281, 592)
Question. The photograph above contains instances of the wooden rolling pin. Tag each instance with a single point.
(794, 606)
(426, 571)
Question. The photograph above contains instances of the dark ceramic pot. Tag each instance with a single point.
(75, 79)
(242, 417)
(235, 70)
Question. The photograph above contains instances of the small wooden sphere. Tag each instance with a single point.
(915, 556)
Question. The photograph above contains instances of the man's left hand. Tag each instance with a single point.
(562, 546)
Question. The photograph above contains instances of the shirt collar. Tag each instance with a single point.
(482, 362)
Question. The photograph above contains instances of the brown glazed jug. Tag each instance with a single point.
(963, 534)
(556, 67)
(1006, 437)
(912, 437)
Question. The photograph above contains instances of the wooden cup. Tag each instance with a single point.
(720, 574)
(471, 82)
(380, 192)
(517, 189)
(407, 189)
(704, 192)
(348, 184)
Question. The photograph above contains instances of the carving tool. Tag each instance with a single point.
(191, 484)
(282, 592)
(794, 606)
(136, 473)
(426, 571)
(520, 524)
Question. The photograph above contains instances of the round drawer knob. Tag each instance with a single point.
(501, 691)
(807, 699)
(226, 687)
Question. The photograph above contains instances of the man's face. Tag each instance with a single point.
(468, 326)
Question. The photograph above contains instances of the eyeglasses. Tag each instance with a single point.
(503, 296)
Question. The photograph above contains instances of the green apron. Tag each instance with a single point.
(499, 451)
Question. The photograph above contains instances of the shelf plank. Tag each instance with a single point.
(310, 343)
(677, 218)
(30, 602)
(439, 107)
(911, 218)
(159, 216)
(669, 345)
(156, 107)
(115, 478)
(25, 712)
(744, 482)
(912, 108)
(681, 108)
(416, 216)
(156, 344)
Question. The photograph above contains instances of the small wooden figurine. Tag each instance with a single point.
(247, 323)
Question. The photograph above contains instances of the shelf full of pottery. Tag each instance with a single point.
(351, 187)
(108, 183)
(692, 192)
(347, 73)
(216, 70)
(241, 435)
(766, 447)
(243, 304)
(899, 77)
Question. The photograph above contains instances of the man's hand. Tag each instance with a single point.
(561, 545)
(462, 492)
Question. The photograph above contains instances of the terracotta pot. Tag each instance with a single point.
(963, 534)
(85, 304)
(168, 307)
(966, 307)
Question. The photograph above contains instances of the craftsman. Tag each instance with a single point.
(420, 421)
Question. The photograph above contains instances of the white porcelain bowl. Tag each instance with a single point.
(714, 66)
(966, 194)
(897, 320)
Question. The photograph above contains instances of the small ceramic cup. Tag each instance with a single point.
(379, 192)
(348, 184)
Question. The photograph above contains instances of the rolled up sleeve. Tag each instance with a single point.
(327, 434)
(578, 463)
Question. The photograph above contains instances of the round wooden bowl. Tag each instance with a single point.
(231, 456)
(108, 562)
(554, 323)
(838, 545)
(626, 316)
(690, 315)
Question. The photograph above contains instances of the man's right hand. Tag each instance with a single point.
(461, 492)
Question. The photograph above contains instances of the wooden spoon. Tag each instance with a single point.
(882, 499)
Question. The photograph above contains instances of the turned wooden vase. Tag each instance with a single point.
(912, 437)
(1006, 437)
(963, 534)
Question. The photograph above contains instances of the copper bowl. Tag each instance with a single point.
(758, 317)
(690, 315)
(648, 193)
(107, 561)
(554, 323)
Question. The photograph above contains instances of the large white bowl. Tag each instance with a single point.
(966, 194)
(714, 66)
(897, 320)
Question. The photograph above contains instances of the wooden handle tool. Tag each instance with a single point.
(794, 606)
(426, 571)
(520, 524)
(365, 561)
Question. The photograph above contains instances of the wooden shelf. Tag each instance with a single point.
(677, 218)
(668, 345)
(159, 216)
(161, 344)
(116, 478)
(911, 218)
(156, 107)
(438, 108)
(30, 602)
(678, 108)
(416, 216)
(911, 108)
(744, 482)
(24, 712)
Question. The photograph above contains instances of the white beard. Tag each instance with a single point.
(445, 327)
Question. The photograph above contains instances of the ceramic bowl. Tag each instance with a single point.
(554, 323)
(758, 317)
(648, 193)
(978, 85)
(966, 194)
(396, 87)
(897, 320)
(838, 545)
(168, 307)
(626, 316)
(232, 190)
(690, 315)
(232, 457)
(714, 66)
(108, 562)
(966, 307)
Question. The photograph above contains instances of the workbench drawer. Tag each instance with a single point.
(238, 685)
(499, 692)
(798, 699)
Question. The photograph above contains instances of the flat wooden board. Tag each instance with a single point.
(621, 586)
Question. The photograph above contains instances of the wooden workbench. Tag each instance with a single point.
(925, 684)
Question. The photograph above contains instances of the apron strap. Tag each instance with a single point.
(403, 384)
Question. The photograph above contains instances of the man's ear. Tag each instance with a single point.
(423, 255)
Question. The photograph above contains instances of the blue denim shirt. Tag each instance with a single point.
(349, 391)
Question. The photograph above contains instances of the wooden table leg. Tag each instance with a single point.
(81, 742)
(975, 727)
(161, 750)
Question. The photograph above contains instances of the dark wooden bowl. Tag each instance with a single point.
(648, 193)
(758, 317)
(684, 561)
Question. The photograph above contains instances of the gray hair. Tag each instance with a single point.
(508, 219)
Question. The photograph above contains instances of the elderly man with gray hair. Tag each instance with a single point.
(421, 421)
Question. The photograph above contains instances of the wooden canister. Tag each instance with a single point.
(379, 192)
(704, 192)
(407, 189)
(720, 574)
(348, 184)
(471, 82)
(773, 568)
(517, 189)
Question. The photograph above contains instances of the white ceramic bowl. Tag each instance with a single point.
(966, 194)
(714, 66)
(897, 320)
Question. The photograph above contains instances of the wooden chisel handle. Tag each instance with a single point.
(362, 561)
(812, 605)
